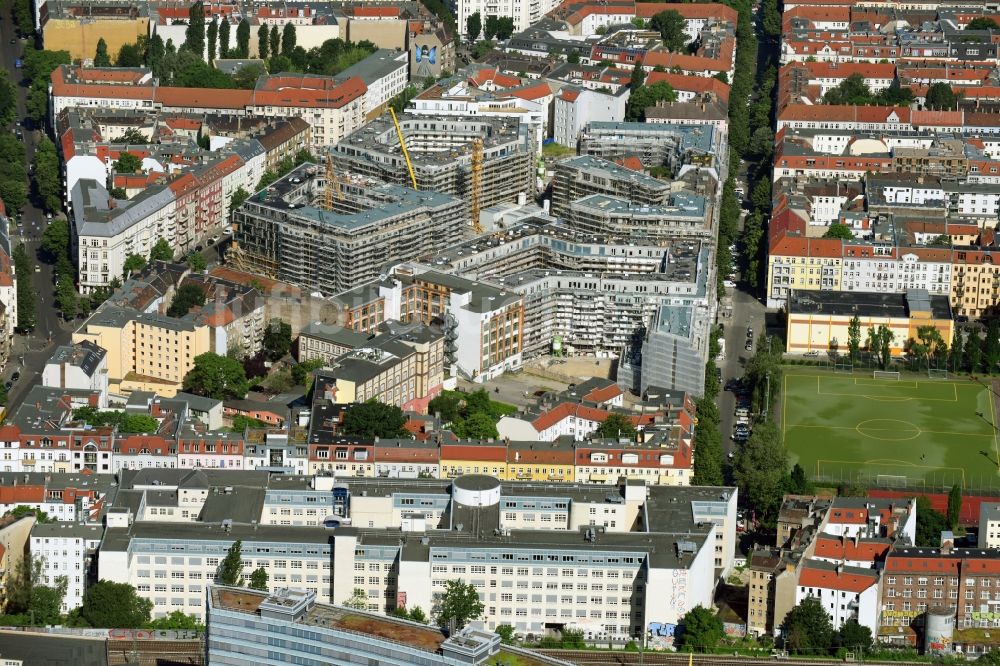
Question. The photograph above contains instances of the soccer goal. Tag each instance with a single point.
(937, 373)
(885, 374)
(843, 367)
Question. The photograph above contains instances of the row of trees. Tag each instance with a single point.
(708, 459)
(123, 421)
(854, 90)
(501, 27)
(474, 415)
(37, 69)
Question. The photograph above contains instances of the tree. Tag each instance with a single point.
(616, 426)
(854, 339)
(358, 600)
(238, 197)
(194, 34)
(213, 38)
(101, 58)
(196, 262)
(853, 636)
(505, 27)
(161, 251)
(243, 39)
(230, 570)
(930, 524)
(127, 163)
(701, 630)
(798, 484)
(646, 96)
(218, 377)
(760, 468)
(446, 404)
(26, 300)
(473, 26)
(807, 628)
(837, 230)
(177, 621)
(133, 264)
(638, 77)
(991, 347)
(187, 296)
(258, 579)
(154, 55)
(954, 506)
(107, 604)
(707, 465)
(459, 604)
(973, 351)
(373, 419)
(670, 24)
(957, 358)
(288, 39)
(479, 425)
(262, 44)
(224, 28)
(22, 510)
(573, 57)
(506, 633)
(47, 175)
(277, 339)
(490, 28)
(941, 96)
(46, 601)
(982, 23)
(275, 40)
(66, 297)
(762, 142)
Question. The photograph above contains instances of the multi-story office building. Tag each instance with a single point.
(286, 231)
(243, 624)
(540, 554)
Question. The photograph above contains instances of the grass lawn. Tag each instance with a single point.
(912, 431)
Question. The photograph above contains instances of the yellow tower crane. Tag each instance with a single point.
(477, 183)
(402, 147)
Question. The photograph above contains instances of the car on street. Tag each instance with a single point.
(8, 385)
(811, 354)
(18, 63)
(741, 433)
(729, 284)
(228, 231)
(15, 376)
(749, 332)
(734, 384)
(749, 345)
(215, 239)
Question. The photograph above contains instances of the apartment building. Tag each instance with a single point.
(989, 525)
(482, 323)
(286, 233)
(67, 550)
(83, 366)
(385, 74)
(674, 145)
(556, 532)
(579, 177)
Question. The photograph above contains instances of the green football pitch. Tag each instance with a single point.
(908, 432)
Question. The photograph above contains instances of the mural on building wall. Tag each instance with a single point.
(426, 58)
(660, 635)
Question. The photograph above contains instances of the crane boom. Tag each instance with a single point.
(402, 146)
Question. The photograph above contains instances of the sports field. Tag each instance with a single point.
(888, 432)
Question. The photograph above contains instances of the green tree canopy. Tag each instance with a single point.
(230, 570)
(447, 404)
(930, 524)
(224, 29)
(473, 26)
(358, 600)
(373, 419)
(982, 23)
(459, 604)
(22, 510)
(101, 58)
(760, 468)
(107, 604)
(288, 39)
(941, 96)
(212, 34)
(194, 34)
(177, 621)
(196, 262)
(954, 506)
(645, 96)
(127, 163)
(670, 24)
(277, 339)
(616, 426)
(187, 296)
(161, 251)
(837, 230)
(476, 426)
(258, 579)
(701, 630)
(807, 629)
(133, 264)
(218, 377)
(26, 301)
(243, 39)
(853, 636)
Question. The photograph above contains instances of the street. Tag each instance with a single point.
(32, 350)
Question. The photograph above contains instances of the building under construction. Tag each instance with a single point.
(483, 161)
(330, 235)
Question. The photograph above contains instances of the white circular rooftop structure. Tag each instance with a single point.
(476, 490)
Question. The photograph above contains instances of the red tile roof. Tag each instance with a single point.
(22, 494)
(831, 580)
(695, 84)
(482, 453)
(842, 548)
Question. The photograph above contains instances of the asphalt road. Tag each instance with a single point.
(30, 352)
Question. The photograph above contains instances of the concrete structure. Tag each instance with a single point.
(79, 366)
(453, 529)
(989, 525)
(284, 232)
(385, 74)
(68, 550)
(242, 622)
(576, 107)
(14, 536)
(819, 319)
(440, 150)
(673, 353)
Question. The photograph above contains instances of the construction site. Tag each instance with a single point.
(329, 231)
(483, 161)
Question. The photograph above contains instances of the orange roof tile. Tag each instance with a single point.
(842, 548)
(831, 580)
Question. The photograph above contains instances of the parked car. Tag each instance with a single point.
(811, 354)
(15, 376)
(749, 332)
(729, 284)
(749, 345)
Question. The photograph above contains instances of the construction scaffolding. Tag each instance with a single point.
(402, 147)
(477, 183)
(332, 183)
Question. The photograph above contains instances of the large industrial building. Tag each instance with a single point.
(605, 560)
(444, 157)
(298, 231)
